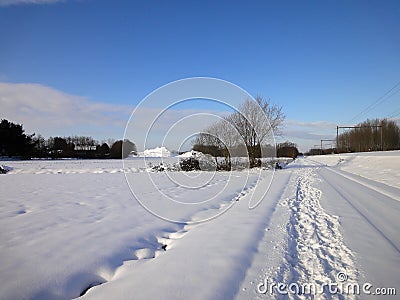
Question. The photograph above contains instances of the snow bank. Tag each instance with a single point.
(156, 152)
(190, 154)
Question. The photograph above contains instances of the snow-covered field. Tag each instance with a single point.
(72, 227)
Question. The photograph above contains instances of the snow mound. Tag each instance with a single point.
(206, 161)
(156, 152)
(190, 154)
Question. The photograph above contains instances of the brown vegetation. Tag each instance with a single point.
(371, 135)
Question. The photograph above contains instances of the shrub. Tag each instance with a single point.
(189, 164)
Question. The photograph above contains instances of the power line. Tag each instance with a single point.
(390, 93)
(394, 113)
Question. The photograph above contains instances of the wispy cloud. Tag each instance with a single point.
(318, 125)
(45, 110)
(25, 2)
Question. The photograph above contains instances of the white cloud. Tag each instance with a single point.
(22, 2)
(308, 134)
(152, 127)
(319, 125)
(50, 112)
(47, 111)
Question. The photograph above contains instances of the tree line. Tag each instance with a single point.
(287, 149)
(14, 142)
(247, 132)
(370, 135)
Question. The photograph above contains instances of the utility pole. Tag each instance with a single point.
(326, 141)
(337, 139)
(316, 147)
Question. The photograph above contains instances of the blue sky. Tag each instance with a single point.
(324, 62)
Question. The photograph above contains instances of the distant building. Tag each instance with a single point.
(85, 148)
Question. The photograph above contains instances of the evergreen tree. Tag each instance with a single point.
(13, 140)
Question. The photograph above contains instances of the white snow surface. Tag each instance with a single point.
(382, 167)
(156, 152)
(73, 227)
(191, 153)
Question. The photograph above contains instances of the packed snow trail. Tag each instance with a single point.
(303, 246)
(316, 250)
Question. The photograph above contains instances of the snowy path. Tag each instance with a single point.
(303, 246)
(336, 223)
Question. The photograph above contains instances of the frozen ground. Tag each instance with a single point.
(69, 228)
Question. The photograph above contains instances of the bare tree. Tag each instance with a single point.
(257, 122)
(208, 143)
(226, 138)
(251, 127)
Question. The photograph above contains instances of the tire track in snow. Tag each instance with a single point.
(380, 187)
(150, 249)
(271, 244)
(316, 252)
